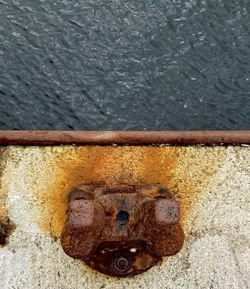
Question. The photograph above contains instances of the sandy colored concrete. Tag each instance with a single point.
(211, 183)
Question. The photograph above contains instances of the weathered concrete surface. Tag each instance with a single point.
(211, 183)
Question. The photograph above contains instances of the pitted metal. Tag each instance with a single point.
(122, 230)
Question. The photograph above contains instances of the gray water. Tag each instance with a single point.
(124, 65)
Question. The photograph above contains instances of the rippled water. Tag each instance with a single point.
(112, 64)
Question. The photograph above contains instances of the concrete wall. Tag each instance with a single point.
(211, 183)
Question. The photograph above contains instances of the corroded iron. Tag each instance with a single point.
(122, 230)
(123, 137)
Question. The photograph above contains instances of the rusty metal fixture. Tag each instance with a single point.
(122, 230)
(123, 137)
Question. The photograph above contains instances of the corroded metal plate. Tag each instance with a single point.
(122, 230)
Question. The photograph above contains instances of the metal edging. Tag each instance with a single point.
(9, 137)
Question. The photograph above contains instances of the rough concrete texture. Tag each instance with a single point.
(211, 183)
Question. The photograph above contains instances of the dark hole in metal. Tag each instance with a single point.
(123, 217)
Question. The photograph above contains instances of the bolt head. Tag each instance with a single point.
(122, 264)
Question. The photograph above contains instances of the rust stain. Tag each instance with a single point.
(196, 168)
(92, 165)
(186, 171)
(6, 226)
(3, 210)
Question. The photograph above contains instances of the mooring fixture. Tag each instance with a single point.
(122, 230)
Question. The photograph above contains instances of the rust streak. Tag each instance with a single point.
(6, 226)
(186, 171)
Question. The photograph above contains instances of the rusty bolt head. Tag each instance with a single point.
(122, 230)
(122, 264)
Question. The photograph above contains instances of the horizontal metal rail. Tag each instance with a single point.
(8, 137)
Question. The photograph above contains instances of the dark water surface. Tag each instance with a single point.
(118, 64)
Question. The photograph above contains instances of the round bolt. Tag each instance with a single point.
(122, 264)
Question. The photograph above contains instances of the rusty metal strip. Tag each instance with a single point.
(123, 137)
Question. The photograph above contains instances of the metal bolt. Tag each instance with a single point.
(122, 264)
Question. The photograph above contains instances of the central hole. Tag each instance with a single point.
(123, 217)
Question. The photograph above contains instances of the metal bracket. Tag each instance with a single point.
(122, 230)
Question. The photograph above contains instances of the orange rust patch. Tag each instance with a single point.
(52, 172)
(142, 261)
(196, 168)
(102, 165)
